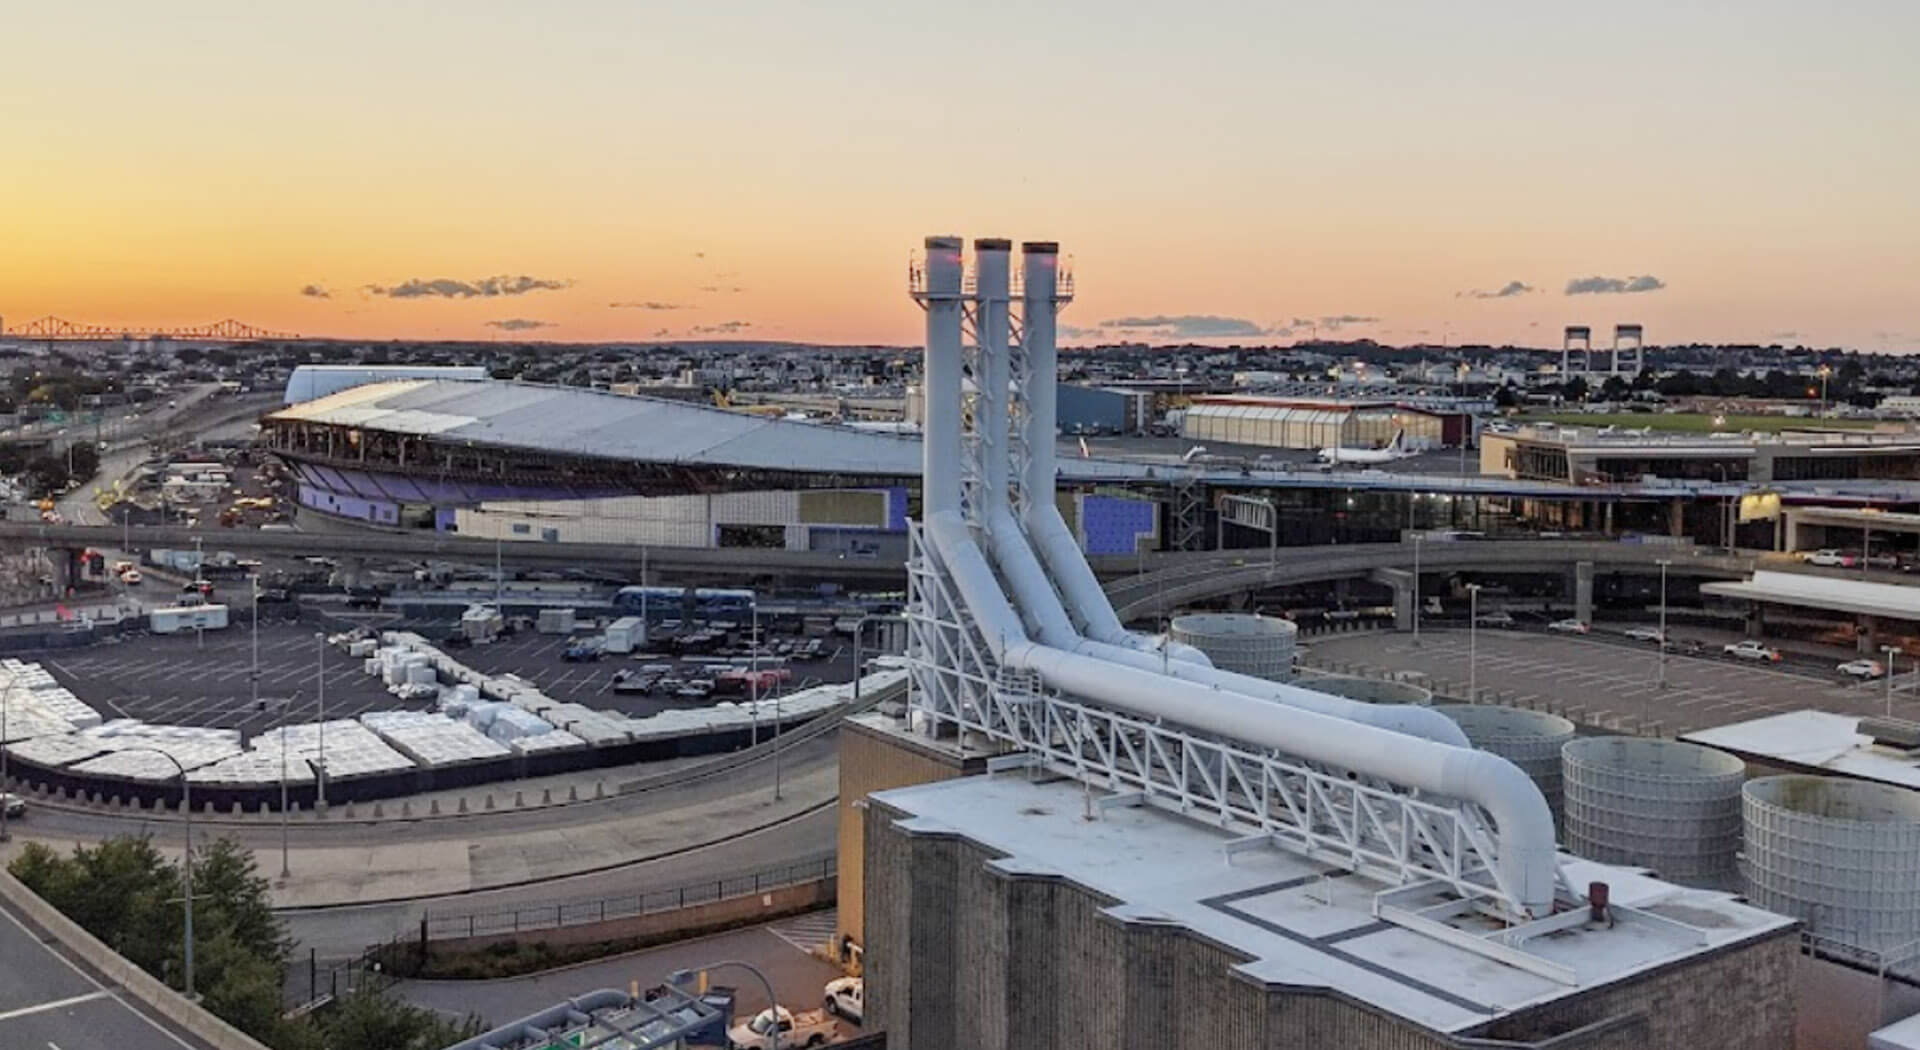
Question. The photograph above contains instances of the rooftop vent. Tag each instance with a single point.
(1896, 733)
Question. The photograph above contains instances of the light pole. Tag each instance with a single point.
(753, 675)
(1473, 643)
(1891, 651)
(320, 720)
(6, 702)
(681, 978)
(186, 862)
(1416, 589)
(1663, 563)
(1825, 371)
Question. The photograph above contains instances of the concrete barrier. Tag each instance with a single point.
(131, 979)
(675, 923)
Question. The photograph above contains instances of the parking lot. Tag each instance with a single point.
(538, 659)
(1612, 682)
(181, 680)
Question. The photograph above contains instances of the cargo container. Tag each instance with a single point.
(626, 634)
(187, 618)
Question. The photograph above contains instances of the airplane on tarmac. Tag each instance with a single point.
(1395, 449)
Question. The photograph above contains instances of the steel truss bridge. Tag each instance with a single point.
(59, 329)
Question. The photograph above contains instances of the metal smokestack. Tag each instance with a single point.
(990, 416)
(941, 443)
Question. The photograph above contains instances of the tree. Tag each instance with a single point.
(371, 1019)
(1505, 397)
(1574, 389)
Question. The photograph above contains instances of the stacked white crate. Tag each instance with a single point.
(433, 739)
(558, 740)
(56, 751)
(352, 749)
(596, 727)
(60, 702)
(512, 724)
(253, 769)
(130, 747)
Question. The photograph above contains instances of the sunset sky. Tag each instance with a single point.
(1742, 171)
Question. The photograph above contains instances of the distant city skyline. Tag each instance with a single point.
(590, 171)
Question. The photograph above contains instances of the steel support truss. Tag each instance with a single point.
(1379, 829)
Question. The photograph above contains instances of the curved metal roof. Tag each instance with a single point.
(594, 423)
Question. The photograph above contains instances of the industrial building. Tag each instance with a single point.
(1610, 455)
(1315, 423)
(1159, 851)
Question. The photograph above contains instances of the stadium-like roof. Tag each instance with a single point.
(582, 422)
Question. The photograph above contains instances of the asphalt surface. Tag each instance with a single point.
(51, 1001)
(778, 949)
(182, 679)
(1612, 681)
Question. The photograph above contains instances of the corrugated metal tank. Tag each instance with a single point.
(1659, 804)
(1261, 646)
(1365, 690)
(1842, 855)
(1531, 740)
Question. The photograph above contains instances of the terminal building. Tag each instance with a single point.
(1316, 423)
(1611, 456)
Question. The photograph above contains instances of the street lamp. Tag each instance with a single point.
(1825, 371)
(320, 721)
(6, 702)
(1473, 643)
(681, 978)
(1663, 563)
(1891, 652)
(1416, 589)
(186, 860)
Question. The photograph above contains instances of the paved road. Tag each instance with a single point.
(776, 948)
(50, 1001)
(1617, 684)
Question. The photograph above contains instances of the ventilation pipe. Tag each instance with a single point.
(1033, 586)
(1527, 861)
(1040, 262)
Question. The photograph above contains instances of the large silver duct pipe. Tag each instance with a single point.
(1085, 600)
(940, 454)
(1049, 619)
(1527, 857)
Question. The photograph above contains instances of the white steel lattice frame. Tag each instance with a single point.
(1367, 826)
(1020, 369)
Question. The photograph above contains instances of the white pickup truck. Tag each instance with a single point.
(813, 1028)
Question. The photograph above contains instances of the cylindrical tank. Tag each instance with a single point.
(1365, 690)
(1529, 739)
(1659, 804)
(1842, 855)
(1261, 646)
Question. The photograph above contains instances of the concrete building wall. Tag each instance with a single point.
(965, 950)
(872, 760)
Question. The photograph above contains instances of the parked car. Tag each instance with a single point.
(1496, 618)
(812, 1028)
(581, 653)
(1569, 626)
(131, 577)
(16, 807)
(846, 998)
(1751, 650)
(1831, 558)
(1862, 669)
(1644, 634)
(1685, 646)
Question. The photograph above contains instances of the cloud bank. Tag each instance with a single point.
(484, 288)
(315, 291)
(1614, 285)
(644, 304)
(723, 328)
(1505, 291)
(520, 324)
(1188, 326)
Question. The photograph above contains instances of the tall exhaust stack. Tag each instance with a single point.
(941, 443)
(992, 378)
(1039, 321)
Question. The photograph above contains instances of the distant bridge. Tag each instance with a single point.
(58, 329)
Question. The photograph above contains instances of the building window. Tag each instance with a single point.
(521, 528)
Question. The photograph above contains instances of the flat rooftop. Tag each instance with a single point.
(1824, 592)
(1817, 741)
(1305, 924)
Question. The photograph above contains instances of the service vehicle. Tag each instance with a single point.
(1569, 627)
(813, 1028)
(1751, 650)
(1862, 669)
(846, 997)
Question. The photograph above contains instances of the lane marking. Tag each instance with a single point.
(90, 979)
(56, 1004)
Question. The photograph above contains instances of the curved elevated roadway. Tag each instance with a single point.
(1221, 573)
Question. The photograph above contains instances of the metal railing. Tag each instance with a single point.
(557, 914)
